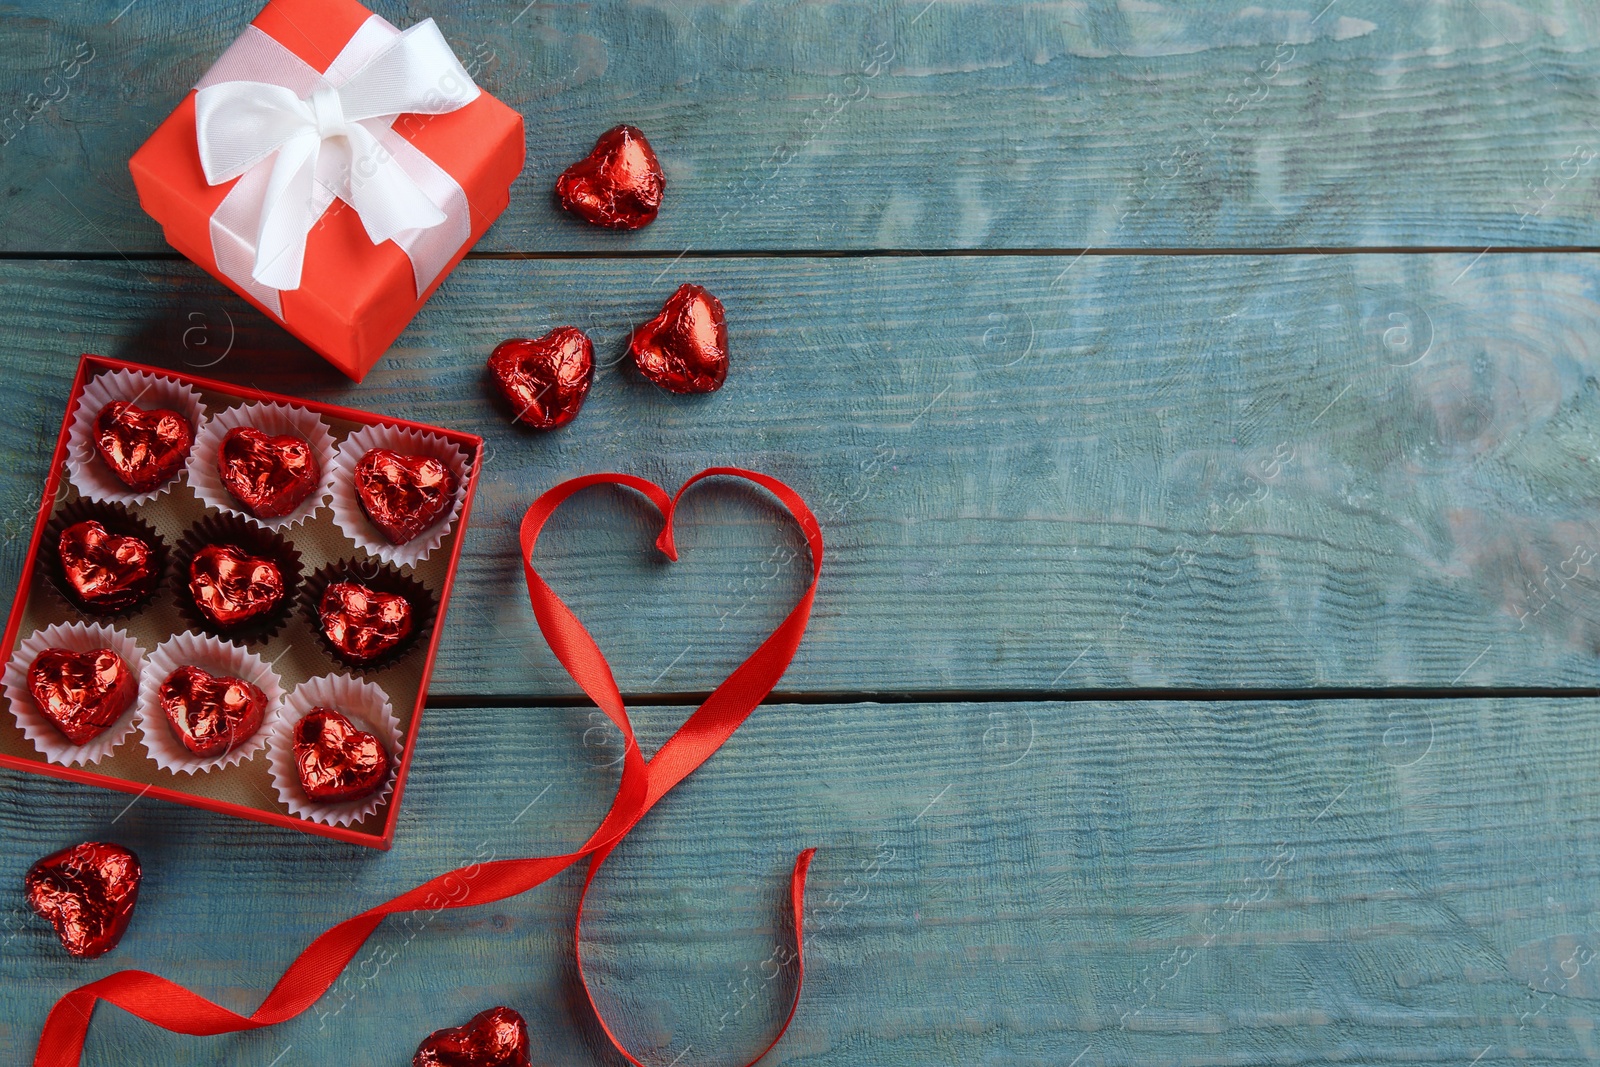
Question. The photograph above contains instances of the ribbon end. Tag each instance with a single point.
(666, 544)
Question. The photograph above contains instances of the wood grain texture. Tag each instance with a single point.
(948, 124)
(1373, 882)
(1033, 474)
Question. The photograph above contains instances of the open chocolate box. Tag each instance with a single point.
(338, 636)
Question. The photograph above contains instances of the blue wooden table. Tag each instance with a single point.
(1200, 404)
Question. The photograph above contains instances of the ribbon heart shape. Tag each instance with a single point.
(330, 141)
(644, 782)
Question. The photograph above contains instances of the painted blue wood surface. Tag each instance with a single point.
(1034, 473)
(923, 123)
(1389, 882)
(1037, 473)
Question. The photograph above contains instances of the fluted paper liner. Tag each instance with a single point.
(93, 478)
(352, 518)
(272, 420)
(219, 658)
(367, 707)
(52, 744)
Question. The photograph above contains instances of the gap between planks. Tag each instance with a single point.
(1042, 696)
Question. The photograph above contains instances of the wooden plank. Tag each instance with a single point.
(1033, 474)
(920, 125)
(1249, 883)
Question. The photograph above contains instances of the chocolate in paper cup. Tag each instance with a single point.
(218, 658)
(51, 743)
(86, 469)
(253, 540)
(367, 707)
(117, 520)
(273, 420)
(379, 577)
(352, 518)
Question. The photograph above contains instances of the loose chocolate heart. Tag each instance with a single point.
(87, 892)
(403, 495)
(685, 348)
(104, 569)
(230, 587)
(545, 380)
(618, 185)
(81, 693)
(142, 448)
(269, 476)
(494, 1038)
(363, 624)
(211, 714)
(335, 760)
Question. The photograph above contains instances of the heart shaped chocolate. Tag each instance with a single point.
(230, 587)
(87, 892)
(335, 760)
(106, 570)
(81, 693)
(685, 348)
(268, 476)
(209, 714)
(362, 623)
(494, 1038)
(545, 380)
(618, 185)
(142, 448)
(403, 495)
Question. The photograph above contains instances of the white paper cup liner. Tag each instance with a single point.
(78, 637)
(87, 470)
(352, 519)
(218, 658)
(273, 420)
(368, 708)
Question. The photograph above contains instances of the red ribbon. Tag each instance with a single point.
(172, 1007)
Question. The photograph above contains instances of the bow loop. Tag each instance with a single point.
(328, 145)
(416, 74)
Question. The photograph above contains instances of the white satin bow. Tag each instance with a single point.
(330, 143)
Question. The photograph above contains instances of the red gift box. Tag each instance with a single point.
(322, 542)
(354, 296)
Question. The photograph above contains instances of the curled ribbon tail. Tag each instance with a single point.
(289, 213)
(383, 194)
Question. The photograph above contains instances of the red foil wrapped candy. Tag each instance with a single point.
(231, 587)
(142, 448)
(268, 476)
(81, 693)
(106, 570)
(335, 760)
(494, 1038)
(403, 495)
(685, 348)
(208, 714)
(545, 380)
(363, 624)
(618, 185)
(87, 892)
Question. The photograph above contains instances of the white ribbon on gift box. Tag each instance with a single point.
(297, 140)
